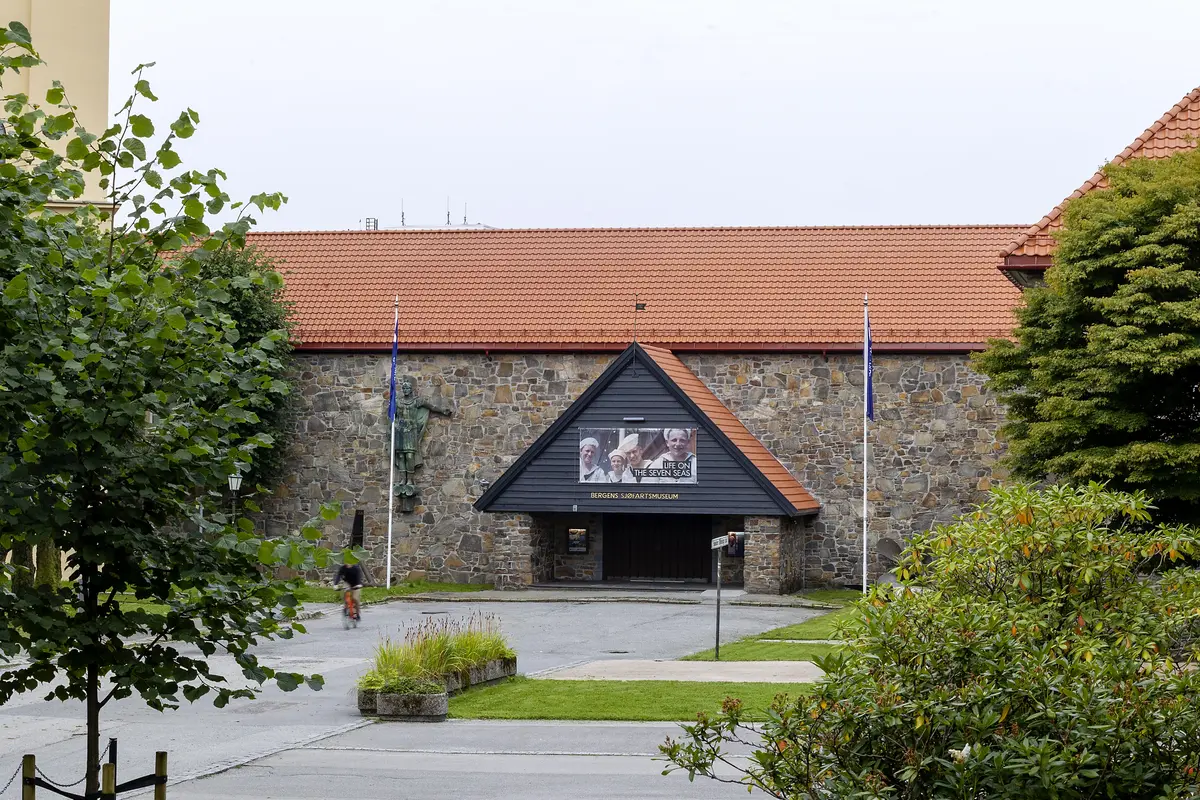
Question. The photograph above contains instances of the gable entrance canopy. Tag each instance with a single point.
(644, 394)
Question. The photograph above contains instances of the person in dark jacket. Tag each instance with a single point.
(354, 577)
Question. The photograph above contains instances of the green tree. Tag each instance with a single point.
(126, 389)
(1043, 647)
(1103, 380)
(259, 308)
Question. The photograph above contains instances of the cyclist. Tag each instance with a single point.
(352, 575)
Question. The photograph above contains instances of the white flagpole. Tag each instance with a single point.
(392, 448)
(866, 390)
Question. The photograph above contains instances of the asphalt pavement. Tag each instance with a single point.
(475, 759)
(203, 740)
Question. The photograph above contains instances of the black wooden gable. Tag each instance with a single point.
(635, 392)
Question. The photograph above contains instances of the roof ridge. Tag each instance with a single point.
(1091, 183)
(501, 231)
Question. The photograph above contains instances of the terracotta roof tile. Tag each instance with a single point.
(574, 288)
(1176, 130)
(732, 427)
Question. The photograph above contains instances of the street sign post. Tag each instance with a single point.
(719, 543)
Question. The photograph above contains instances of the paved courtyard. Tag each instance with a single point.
(480, 759)
(293, 738)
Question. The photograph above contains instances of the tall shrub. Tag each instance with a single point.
(258, 309)
(1045, 646)
(1103, 380)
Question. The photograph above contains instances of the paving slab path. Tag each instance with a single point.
(477, 759)
(202, 739)
(704, 671)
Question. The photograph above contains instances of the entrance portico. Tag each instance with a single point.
(633, 481)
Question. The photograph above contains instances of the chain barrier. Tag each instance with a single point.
(48, 779)
(60, 785)
(10, 780)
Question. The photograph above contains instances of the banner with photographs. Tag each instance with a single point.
(637, 455)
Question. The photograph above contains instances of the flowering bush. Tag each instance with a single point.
(1045, 646)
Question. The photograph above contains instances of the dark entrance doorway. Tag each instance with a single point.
(671, 547)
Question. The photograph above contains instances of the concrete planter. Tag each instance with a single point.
(433, 707)
(493, 671)
(413, 707)
(366, 702)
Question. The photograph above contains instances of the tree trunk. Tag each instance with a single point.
(93, 729)
(49, 565)
(92, 784)
(22, 556)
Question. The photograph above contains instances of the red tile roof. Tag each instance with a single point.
(931, 287)
(1176, 130)
(732, 427)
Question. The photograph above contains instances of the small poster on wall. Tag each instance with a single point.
(577, 540)
(637, 455)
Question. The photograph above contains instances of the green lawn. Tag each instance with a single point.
(523, 698)
(821, 627)
(754, 650)
(131, 603)
(374, 594)
(839, 597)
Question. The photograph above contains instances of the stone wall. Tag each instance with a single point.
(579, 566)
(340, 452)
(934, 448)
(761, 566)
(512, 556)
(541, 559)
(791, 554)
(732, 569)
(934, 452)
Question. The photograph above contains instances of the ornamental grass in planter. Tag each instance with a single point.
(440, 647)
(457, 653)
(412, 698)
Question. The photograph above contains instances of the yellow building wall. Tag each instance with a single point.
(71, 36)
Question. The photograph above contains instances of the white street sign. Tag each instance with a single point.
(719, 541)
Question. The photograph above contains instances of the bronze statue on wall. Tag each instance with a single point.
(412, 416)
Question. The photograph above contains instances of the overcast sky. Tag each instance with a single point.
(553, 113)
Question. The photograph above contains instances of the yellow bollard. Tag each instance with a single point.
(28, 790)
(108, 781)
(160, 771)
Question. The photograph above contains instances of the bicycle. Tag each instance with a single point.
(351, 611)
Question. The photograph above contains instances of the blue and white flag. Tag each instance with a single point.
(868, 364)
(395, 344)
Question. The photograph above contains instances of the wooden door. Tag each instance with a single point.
(657, 547)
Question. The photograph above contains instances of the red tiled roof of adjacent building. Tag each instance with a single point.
(1176, 130)
(931, 288)
(731, 426)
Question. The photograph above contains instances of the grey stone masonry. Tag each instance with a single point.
(791, 554)
(934, 452)
(340, 453)
(933, 444)
(761, 568)
(578, 566)
(514, 556)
